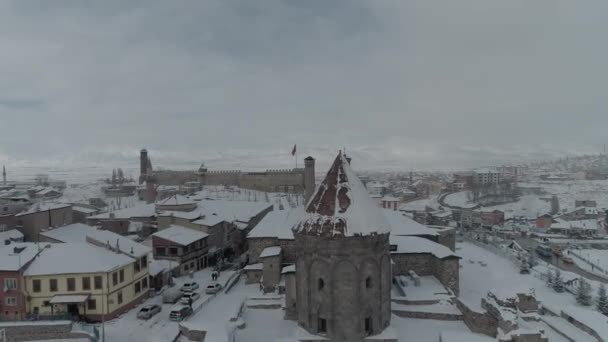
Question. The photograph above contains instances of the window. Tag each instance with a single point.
(144, 283)
(114, 279)
(53, 285)
(137, 287)
(86, 283)
(119, 297)
(321, 284)
(173, 251)
(322, 328)
(136, 267)
(36, 285)
(98, 285)
(186, 249)
(122, 275)
(71, 282)
(144, 262)
(160, 251)
(10, 283)
(12, 301)
(368, 282)
(368, 325)
(46, 303)
(186, 268)
(92, 304)
(192, 265)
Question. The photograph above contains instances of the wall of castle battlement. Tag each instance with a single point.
(172, 177)
(273, 180)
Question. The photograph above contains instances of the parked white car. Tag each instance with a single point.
(213, 288)
(147, 311)
(189, 287)
(189, 295)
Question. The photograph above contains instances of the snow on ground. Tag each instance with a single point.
(159, 328)
(411, 329)
(569, 191)
(499, 275)
(530, 206)
(420, 205)
(264, 325)
(597, 257)
(460, 199)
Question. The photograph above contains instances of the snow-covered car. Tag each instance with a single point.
(213, 288)
(189, 287)
(567, 260)
(148, 311)
(189, 295)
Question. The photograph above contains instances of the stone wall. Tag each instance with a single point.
(589, 330)
(271, 272)
(447, 271)
(447, 237)
(33, 331)
(343, 281)
(479, 322)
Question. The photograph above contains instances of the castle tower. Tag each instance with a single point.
(343, 269)
(202, 174)
(143, 165)
(3, 175)
(309, 178)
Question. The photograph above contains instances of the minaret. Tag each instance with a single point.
(143, 165)
(309, 178)
(3, 175)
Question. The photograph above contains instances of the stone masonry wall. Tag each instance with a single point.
(447, 237)
(422, 264)
(447, 271)
(32, 331)
(478, 322)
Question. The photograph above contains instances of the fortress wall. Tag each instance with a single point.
(171, 177)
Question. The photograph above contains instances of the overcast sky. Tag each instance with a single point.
(400, 84)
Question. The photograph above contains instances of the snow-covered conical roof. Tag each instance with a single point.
(341, 206)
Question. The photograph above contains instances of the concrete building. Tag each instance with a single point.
(106, 282)
(186, 247)
(43, 216)
(485, 176)
(14, 259)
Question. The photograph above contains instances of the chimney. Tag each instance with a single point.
(117, 247)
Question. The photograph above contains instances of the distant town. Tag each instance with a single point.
(499, 253)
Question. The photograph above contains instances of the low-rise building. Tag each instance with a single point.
(185, 246)
(42, 216)
(14, 259)
(84, 280)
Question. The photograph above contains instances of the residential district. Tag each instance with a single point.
(503, 253)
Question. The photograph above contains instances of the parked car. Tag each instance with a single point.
(180, 312)
(147, 311)
(189, 295)
(213, 288)
(172, 295)
(189, 287)
(567, 260)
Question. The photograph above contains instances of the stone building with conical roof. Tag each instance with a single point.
(343, 260)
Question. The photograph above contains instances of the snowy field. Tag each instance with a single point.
(530, 206)
(597, 257)
(569, 191)
(460, 199)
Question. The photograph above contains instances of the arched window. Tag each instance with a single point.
(320, 284)
(368, 282)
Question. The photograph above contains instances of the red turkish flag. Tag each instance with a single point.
(293, 152)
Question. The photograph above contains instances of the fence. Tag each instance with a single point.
(593, 266)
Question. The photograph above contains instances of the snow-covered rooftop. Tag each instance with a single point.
(144, 210)
(270, 251)
(578, 224)
(79, 232)
(414, 245)
(84, 209)
(11, 261)
(212, 212)
(72, 258)
(12, 234)
(401, 224)
(254, 267)
(176, 200)
(44, 207)
(181, 235)
(341, 206)
(288, 269)
(278, 224)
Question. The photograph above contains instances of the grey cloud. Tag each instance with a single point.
(400, 83)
